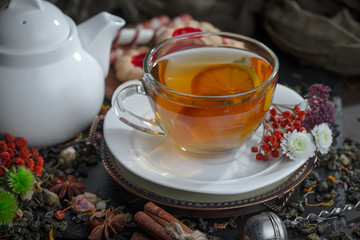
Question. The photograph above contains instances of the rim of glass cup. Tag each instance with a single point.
(158, 46)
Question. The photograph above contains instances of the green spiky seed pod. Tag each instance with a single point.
(8, 207)
(20, 180)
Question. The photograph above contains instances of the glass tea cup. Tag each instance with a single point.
(209, 91)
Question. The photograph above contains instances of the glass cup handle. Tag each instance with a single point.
(124, 91)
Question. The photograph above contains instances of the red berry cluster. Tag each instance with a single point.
(15, 152)
(280, 122)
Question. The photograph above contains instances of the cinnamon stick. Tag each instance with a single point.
(149, 225)
(163, 217)
(140, 236)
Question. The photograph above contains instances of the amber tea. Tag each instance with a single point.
(221, 125)
(209, 91)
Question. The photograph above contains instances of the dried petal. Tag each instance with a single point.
(83, 205)
(51, 198)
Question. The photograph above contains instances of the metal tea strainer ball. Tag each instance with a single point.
(265, 226)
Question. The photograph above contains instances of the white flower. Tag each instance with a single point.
(323, 137)
(298, 146)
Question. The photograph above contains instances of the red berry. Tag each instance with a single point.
(302, 129)
(293, 116)
(273, 138)
(24, 152)
(34, 152)
(11, 152)
(11, 145)
(30, 164)
(3, 146)
(9, 137)
(2, 172)
(265, 139)
(38, 170)
(59, 215)
(278, 133)
(286, 114)
(259, 157)
(276, 146)
(296, 109)
(301, 119)
(301, 114)
(273, 111)
(40, 161)
(267, 154)
(275, 125)
(20, 142)
(297, 124)
(275, 154)
(273, 118)
(255, 149)
(19, 161)
(266, 147)
(5, 156)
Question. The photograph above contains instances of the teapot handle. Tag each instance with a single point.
(125, 91)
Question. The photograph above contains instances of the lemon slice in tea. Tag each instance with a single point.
(224, 79)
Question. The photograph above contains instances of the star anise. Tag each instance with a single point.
(104, 228)
(69, 186)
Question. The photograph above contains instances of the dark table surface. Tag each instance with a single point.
(292, 74)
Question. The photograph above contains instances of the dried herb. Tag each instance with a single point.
(320, 229)
(8, 206)
(337, 236)
(356, 231)
(313, 236)
(61, 226)
(69, 186)
(111, 225)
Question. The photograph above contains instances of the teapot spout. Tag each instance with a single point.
(97, 34)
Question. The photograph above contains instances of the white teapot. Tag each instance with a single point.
(52, 72)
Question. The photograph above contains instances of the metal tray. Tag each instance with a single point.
(273, 199)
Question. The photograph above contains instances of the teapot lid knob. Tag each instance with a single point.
(31, 26)
(36, 4)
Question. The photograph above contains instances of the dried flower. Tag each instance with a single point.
(51, 198)
(69, 186)
(67, 155)
(320, 109)
(288, 129)
(279, 123)
(111, 225)
(20, 180)
(15, 152)
(8, 207)
(298, 146)
(3, 146)
(82, 205)
(317, 90)
(60, 214)
(20, 142)
(323, 137)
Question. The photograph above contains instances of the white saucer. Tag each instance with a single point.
(158, 160)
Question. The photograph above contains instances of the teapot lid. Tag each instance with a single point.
(28, 26)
